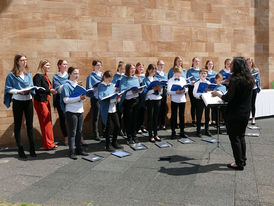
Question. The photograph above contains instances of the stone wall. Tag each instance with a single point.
(132, 31)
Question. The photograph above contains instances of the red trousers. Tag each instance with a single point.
(44, 115)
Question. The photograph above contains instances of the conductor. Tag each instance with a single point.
(237, 114)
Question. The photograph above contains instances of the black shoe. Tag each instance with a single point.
(109, 148)
(207, 133)
(183, 135)
(235, 167)
(32, 153)
(198, 134)
(193, 124)
(117, 146)
(21, 153)
(130, 141)
(81, 152)
(72, 156)
(173, 135)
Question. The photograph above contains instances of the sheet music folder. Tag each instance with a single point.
(121, 153)
(93, 158)
(138, 146)
(163, 144)
(211, 101)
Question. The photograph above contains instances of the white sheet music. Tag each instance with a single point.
(209, 100)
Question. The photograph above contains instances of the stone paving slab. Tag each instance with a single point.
(181, 175)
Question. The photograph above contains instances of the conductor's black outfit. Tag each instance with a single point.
(238, 97)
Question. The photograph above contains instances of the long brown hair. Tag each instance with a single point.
(59, 63)
(253, 65)
(149, 68)
(207, 63)
(15, 70)
(128, 66)
(193, 61)
(175, 60)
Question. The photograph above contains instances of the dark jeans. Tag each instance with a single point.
(95, 107)
(153, 108)
(18, 108)
(174, 109)
(62, 116)
(192, 102)
(253, 101)
(200, 106)
(236, 127)
(75, 124)
(130, 116)
(112, 117)
(163, 108)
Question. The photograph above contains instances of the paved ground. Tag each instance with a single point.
(181, 175)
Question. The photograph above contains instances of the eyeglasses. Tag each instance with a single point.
(161, 64)
(98, 65)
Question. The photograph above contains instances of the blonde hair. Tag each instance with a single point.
(41, 65)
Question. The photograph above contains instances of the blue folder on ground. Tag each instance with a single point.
(203, 86)
(252, 134)
(210, 140)
(185, 140)
(163, 144)
(121, 153)
(78, 90)
(156, 82)
(176, 87)
(138, 146)
(93, 158)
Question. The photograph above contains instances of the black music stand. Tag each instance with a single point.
(217, 103)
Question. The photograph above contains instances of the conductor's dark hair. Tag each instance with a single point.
(149, 68)
(70, 70)
(241, 72)
(94, 62)
(107, 74)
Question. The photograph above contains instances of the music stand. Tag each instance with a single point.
(217, 103)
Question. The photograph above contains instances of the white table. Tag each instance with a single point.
(265, 103)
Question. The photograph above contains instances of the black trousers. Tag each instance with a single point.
(153, 108)
(62, 116)
(163, 108)
(253, 101)
(192, 102)
(18, 108)
(174, 111)
(140, 118)
(75, 125)
(112, 117)
(130, 116)
(95, 108)
(200, 107)
(236, 127)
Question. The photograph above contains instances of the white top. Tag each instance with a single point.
(177, 98)
(61, 75)
(20, 97)
(161, 73)
(73, 104)
(151, 93)
(196, 85)
(112, 106)
(226, 70)
(130, 95)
